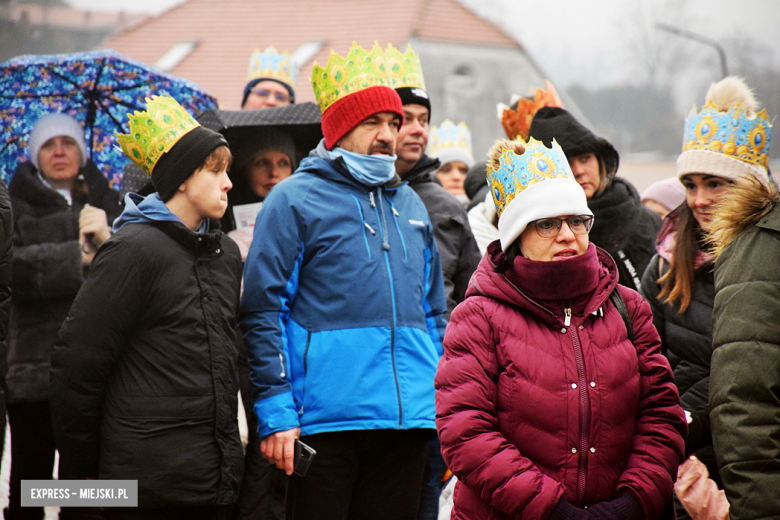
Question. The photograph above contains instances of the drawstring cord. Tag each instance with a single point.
(385, 238)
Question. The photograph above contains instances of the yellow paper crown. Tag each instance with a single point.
(155, 131)
(270, 64)
(344, 76)
(733, 133)
(405, 69)
(449, 135)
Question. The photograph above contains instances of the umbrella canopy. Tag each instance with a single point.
(301, 122)
(97, 88)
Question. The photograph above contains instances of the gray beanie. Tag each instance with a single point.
(53, 125)
(260, 141)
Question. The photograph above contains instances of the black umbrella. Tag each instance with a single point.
(301, 122)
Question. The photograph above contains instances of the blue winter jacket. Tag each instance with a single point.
(343, 305)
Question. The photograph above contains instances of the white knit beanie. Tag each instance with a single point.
(54, 125)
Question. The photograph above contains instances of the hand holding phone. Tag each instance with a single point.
(304, 455)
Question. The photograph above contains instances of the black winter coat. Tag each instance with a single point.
(686, 340)
(145, 379)
(625, 229)
(457, 248)
(6, 257)
(47, 272)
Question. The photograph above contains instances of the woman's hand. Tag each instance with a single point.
(698, 493)
(93, 231)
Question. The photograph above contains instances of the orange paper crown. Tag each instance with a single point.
(517, 122)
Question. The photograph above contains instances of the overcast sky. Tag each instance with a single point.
(593, 43)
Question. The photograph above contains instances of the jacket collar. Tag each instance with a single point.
(422, 171)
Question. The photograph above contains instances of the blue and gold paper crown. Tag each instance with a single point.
(516, 172)
(270, 64)
(734, 133)
(449, 135)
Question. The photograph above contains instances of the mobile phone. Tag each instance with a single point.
(304, 455)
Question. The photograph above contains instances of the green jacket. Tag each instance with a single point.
(745, 373)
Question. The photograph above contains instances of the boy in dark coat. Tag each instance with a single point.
(144, 382)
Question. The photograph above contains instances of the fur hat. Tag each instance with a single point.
(727, 138)
(54, 125)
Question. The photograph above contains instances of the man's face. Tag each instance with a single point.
(412, 137)
(206, 192)
(267, 94)
(375, 135)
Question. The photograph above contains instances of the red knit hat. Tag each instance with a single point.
(346, 113)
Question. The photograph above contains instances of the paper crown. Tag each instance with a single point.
(734, 133)
(516, 172)
(405, 69)
(517, 122)
(270, 64)
(344, 76)
(449, 135)
(155, 131)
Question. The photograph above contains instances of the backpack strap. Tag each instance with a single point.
(620, 305)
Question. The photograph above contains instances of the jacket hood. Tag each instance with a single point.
(422, 172)
(319, 163)
(545, 289)
(147, 209)
(575, 139)
(747, 204)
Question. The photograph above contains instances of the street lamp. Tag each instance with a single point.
(701, 39)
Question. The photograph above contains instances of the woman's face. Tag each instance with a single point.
(452, 175)
(267, 170)
(585, 168)
(702, 191)
(60, 159)
(565, 244)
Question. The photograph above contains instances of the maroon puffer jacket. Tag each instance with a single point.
(532, 405)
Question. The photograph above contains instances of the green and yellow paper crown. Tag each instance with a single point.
(405, 69)
(344, 76)
(517, 173)
(734, 133)
(155, 131)
(270, 64)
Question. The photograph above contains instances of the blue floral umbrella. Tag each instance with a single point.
(97, 88)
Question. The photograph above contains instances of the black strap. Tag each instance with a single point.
(620, 305)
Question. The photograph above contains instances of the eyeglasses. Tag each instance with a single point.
(550, 227)
(279, 96)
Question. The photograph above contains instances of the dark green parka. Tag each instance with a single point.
(745, 370)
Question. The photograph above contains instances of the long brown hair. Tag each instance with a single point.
(677, 283)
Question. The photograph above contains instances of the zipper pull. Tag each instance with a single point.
(567, 320)
(369, 228)
(371, 198)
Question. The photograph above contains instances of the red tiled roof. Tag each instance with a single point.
(67, 17)
(229, 31)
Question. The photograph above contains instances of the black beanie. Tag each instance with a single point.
(183, 159)
(414, 96)
(575, 139)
